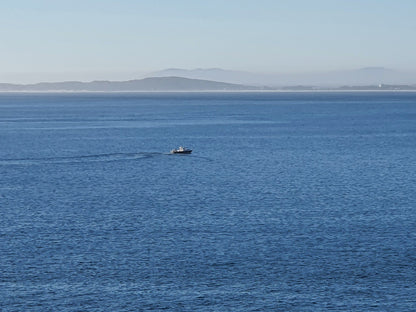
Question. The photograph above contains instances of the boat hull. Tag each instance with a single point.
(181, 152)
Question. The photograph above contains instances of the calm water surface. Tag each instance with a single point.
(289, 202)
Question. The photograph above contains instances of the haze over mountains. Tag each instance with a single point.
(359, 77)
(216, 79)
(147, 84)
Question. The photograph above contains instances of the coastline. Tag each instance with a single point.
(204, 91)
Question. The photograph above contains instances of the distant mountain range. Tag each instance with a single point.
(358, 77)
(146, 84)
(219, 80)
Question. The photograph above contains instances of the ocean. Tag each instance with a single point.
(289, 202)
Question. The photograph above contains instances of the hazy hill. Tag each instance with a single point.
(365, 79)
(359, 77)
(215, 74)
(147, 84)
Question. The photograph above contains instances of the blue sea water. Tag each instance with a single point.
(289, 202)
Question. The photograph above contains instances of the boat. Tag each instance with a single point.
(181, 150)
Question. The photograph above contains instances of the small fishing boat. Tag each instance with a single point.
(181, 150)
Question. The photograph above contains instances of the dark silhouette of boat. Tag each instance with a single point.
(181, 150)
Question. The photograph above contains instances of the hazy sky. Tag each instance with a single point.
(115, 39)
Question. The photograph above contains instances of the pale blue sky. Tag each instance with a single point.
(82, 39)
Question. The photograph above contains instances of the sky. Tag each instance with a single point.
(52, 40)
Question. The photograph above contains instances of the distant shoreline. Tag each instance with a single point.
(206, 91)
(180, 84)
